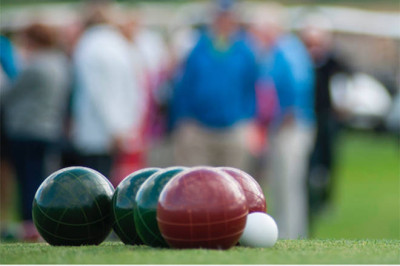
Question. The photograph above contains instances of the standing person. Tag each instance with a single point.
(105, 100)
(214, 100)
(34, 106)
(133, 156)
(317, 36)
(8, 73)
(288, 65)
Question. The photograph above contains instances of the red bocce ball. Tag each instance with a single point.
(254, 195)
(202, 208)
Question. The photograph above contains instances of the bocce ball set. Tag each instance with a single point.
(178, 207)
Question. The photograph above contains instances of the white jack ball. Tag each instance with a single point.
(260, 231)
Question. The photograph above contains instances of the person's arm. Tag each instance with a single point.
(180, 100)
(283, 79)
(7, 58)
(303, 82)
(249, 97)
(30, 78)
(304, 95)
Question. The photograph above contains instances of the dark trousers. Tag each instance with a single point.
(321, 167)
(71, 156)
(99, 162)
(28, 158)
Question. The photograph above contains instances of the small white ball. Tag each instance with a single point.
(260, 231)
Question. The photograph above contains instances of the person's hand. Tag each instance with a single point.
(256, 138)
(288, 120)
(118, 144)
(342, 114)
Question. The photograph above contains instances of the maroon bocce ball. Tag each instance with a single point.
(254, 195)
(202, 208)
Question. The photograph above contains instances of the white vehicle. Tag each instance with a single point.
(364, 99)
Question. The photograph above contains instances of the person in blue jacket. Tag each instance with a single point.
(8, 58)
(214, 100)
(286, 62)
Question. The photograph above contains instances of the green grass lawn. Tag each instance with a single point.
(285, 251)
(366, 201)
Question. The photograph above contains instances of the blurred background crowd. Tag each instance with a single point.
(258, 86)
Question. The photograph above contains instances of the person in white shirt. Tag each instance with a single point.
(106, 100)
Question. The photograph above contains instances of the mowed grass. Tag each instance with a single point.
(365, 212)
(366, 202)
(285, 251)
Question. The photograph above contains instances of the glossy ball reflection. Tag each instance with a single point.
(123, 203)
(145, 211)
(202, 208)
(254, 195)
(73, 207)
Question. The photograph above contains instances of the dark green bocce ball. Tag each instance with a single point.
(72, 207)
(145, 210)
(123, 203)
